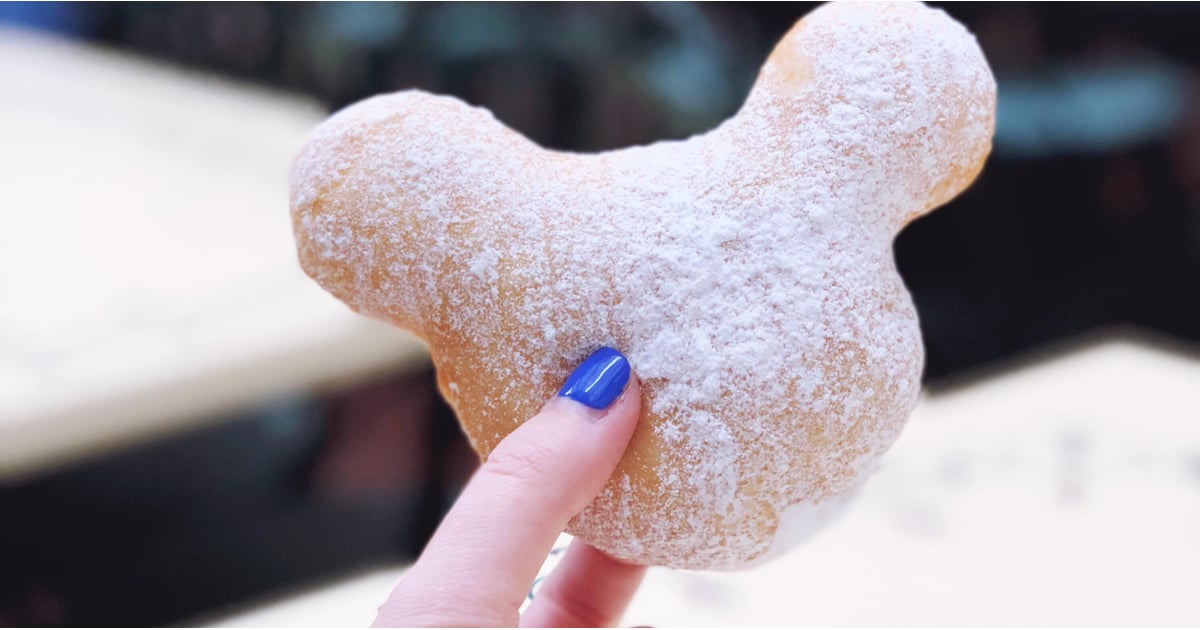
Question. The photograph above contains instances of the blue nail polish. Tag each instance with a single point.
(598, 380)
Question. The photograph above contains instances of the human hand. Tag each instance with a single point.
(479, 566)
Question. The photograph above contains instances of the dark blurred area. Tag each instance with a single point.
(1087, 215)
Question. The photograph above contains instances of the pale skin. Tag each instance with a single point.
(479, 565)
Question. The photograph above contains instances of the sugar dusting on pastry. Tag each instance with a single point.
(747, 273)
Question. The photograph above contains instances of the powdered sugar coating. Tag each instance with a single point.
(747, 273)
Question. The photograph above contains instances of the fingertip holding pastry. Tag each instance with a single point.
(598, 381)
(746, 273)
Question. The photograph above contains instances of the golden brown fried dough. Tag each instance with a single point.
(747, 272)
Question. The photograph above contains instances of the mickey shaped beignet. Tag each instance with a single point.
(747, 272)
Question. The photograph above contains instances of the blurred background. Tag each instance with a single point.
(188, 426)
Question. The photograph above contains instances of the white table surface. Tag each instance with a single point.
(1063, 491)
(148, 277)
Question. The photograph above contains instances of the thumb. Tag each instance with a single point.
(479, 565)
